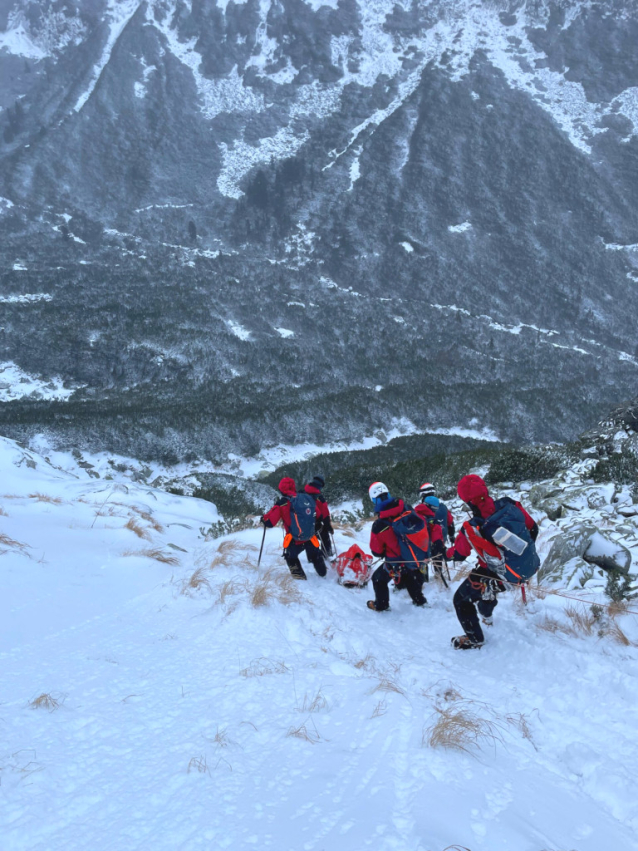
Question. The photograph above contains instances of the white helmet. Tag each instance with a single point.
(376, 489)
(426, 489)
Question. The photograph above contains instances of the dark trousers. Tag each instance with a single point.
(470, 595)
(295, 548)
(411, 580)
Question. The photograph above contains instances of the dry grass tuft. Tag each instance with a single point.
(43, 497)
(8, 542)
(380, 709)
(45, 701)
(231, 553)
(582, 621)
(460, 727)
(275, 585)
(144, 515)
(197, 581)
(263, 666)
(387, 684)
(221, 738)
(585, 621)
(617, 634)
(134, 527)
(366, 662)
(302, 732)
(198, 763)
(313, 704)
(230, 588)
(155, 553)
(3, 513)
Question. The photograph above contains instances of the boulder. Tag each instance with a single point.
(566, 546)
(607, 553)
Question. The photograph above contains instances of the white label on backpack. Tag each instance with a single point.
(504, 538)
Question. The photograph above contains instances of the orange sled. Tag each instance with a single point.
(353, 567)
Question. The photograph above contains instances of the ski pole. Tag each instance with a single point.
(261, 549)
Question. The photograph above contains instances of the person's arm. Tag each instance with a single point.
(451, 529)
(377, 544)
(530, 524)
(461, 549)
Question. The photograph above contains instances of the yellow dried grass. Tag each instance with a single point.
(45, 701)
(134, 527)
(43, 497)
(154, 553)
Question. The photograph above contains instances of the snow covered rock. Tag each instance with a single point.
(608, 554)
(566, 547)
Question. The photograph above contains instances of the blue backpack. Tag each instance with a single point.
(302, 517)
(519, 568)
(414, 539)
(441, 518)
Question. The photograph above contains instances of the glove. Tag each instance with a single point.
(451, 532)
(263, 522)
(327, 525)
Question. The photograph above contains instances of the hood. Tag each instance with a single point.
(424, 510)
(392, 509)
(473, 490)
(310, 488)
(287, 487)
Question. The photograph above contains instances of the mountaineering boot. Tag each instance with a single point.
(464, 642)
(297, 572)
(372, 605)
(488, 621)
(420, 603)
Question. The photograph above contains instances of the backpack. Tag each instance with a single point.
(414, 540)
(441, 518)
(302, 517)
(521, 560)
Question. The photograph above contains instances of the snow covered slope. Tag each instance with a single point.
(208, 704)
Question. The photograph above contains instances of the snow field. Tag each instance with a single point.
(239, 710)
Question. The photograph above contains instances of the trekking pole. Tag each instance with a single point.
(524, 594)
(261, 549)
(334, 546)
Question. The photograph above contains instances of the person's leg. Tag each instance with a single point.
(316, 557)
(291, 554)
(380, 580)
(413, 581)
(467, 594)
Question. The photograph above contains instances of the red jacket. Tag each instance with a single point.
(281, 509)
(383, 541)
(322, 510)
(473, 490)
(435, 529)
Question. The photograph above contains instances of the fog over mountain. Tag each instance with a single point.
(224, 225)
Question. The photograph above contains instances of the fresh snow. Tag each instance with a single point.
(184, 717)
(238, 330)
(286, 333)
(15, 383)
(118, 14)
(24, 298)
(460, 228)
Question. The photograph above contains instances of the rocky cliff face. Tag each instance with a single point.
(224, 223)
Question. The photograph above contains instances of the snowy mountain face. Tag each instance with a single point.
(228, 224)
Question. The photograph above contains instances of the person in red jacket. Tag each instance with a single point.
(483, 584)
(384, 542)
(437, 546)
(323, 522)
(293, 547)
